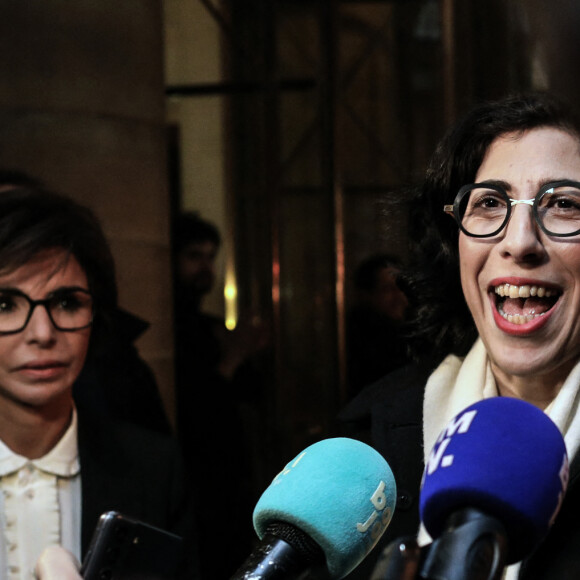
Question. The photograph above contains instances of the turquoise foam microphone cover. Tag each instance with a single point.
(340, 492)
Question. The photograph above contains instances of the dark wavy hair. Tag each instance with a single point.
(440, 322)
(33, 220)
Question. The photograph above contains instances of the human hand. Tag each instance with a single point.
(56, 563)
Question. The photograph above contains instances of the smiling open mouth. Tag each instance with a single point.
(521, 304)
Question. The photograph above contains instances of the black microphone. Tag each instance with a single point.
(472, 547)
(324, 512)
(398, 561)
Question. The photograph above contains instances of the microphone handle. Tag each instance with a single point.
(398, 561)
(284, 553)
(273, 559)
(473, 547)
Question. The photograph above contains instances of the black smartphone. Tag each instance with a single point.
(123, 548)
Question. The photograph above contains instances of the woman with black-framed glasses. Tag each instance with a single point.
(494, 291)
(62, 462)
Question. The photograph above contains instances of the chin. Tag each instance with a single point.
(53, 396)
(528, 365)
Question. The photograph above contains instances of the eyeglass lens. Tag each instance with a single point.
(484, 211)
(68, 310)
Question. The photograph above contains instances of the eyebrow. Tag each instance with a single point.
(15, 290)
(497, 182)
(508, 187)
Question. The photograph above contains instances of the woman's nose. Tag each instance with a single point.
(40, 327)
(521, 240)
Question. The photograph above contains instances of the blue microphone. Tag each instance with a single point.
(493, 484)
(505, 457)
(324, 511)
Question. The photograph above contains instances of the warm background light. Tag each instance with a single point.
(231, 306)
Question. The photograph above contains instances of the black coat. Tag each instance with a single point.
(136, 472)
(389, 416)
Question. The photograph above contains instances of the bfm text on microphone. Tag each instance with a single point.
(324, 511)
(492, 487)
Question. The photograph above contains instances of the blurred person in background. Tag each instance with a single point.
(218, 393)
(375, 343)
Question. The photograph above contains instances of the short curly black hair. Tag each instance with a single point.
(440, 321)
(189, 227)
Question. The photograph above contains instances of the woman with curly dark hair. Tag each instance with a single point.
(442, 322)
(494, 291)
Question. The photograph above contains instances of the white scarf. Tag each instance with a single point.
(458, 383)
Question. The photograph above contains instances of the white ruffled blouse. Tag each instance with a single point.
(40, 505)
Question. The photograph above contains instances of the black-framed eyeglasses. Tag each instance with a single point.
(482, 210)
(69, 309)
